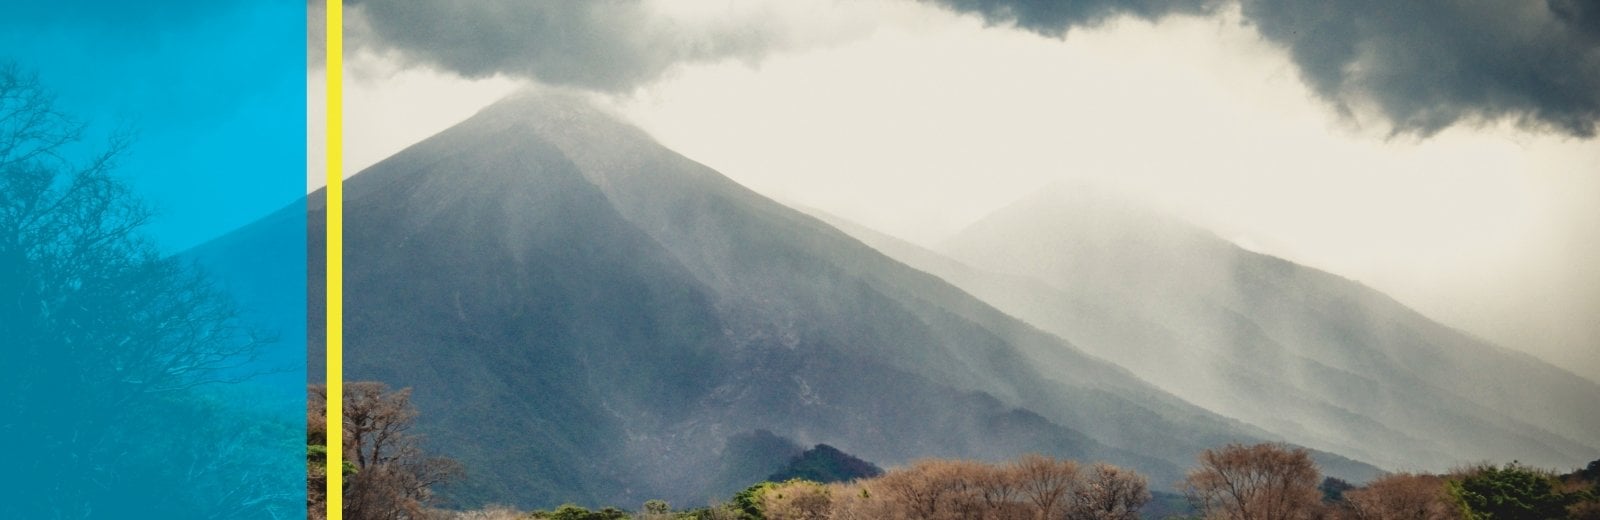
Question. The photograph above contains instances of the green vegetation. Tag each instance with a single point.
(1512, 491)
(574, 512)
(825, 464)
(1479, 492)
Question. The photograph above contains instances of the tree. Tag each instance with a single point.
(1261, 482)
(1333, 489)
(797, 500)
(1110, 493)
(1047, 483)
(1402, 496)
(934, 489)
(1583, 487)
(747, 502)
(1034, 487)
(575, 512)
(656, 509)
(103, 332)
(317, 452)
(999, 489)
(393, 478)
(857, 501)
(1513, 491)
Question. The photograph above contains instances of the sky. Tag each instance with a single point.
(202, 86)
(1442, 152)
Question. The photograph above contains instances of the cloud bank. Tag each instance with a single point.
(604, 45)
(1428, 65)
(1055, 18)
(1422, 66)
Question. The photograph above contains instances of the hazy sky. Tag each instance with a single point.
(1441, 152)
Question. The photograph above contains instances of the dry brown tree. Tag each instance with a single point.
(935, 489)
(1110, 493)
(1047, 484)
(1267, 481)
(1000, 490)
(393, 478)
(1034, 487)
(1402, 496)
(859, 501)
(798, 500)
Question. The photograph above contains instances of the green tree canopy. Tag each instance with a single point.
(1510, 492)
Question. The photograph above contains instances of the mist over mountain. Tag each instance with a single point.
(587, 316)
(1321, 360)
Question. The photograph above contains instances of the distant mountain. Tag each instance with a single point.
(587, 316)
(1320, 360)
(824, 463)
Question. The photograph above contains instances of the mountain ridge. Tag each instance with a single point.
(1042, 286)
(586, 316)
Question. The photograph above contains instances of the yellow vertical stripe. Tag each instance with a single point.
(335, 259)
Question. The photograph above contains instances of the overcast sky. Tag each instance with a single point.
(1441, 152)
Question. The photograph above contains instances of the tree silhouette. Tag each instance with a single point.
(393, 478)
(105, 338)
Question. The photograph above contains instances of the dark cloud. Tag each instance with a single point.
(614, 45)
(316, 34)
(609, 45)
(1054, 18)
(1423, 64)
(1429, 64)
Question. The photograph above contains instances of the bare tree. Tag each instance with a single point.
(1260, 482)
(934, 489)
(1403, 496)
(1048, 484)
(1032, 488)
(393, 478)
(1000, 490)
(102, 331)
(858, 501)
(1110, 493)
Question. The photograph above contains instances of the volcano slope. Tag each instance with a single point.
(586, 316)
(1318, 359)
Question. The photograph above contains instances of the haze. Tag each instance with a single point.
(917, 121)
